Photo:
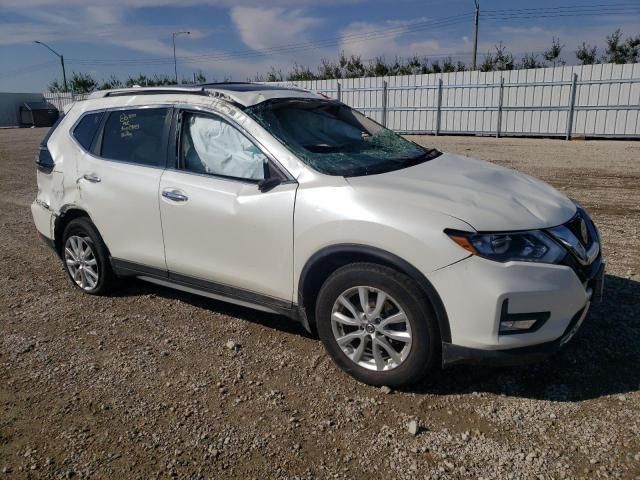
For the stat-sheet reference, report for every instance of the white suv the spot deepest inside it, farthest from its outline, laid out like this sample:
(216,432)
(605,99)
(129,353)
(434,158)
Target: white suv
(400,257)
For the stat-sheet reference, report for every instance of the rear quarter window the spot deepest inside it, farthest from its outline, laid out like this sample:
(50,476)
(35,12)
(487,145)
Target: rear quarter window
(86,129)
(136,136)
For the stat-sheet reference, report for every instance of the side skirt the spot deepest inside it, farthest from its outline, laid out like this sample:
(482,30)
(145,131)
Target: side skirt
(206,288)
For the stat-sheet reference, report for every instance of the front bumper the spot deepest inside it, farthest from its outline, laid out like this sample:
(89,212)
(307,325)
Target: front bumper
(456,354)
(478,293)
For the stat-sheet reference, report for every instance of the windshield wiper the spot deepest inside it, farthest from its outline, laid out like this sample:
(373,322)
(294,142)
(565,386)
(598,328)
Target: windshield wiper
(423,157)
(323,148)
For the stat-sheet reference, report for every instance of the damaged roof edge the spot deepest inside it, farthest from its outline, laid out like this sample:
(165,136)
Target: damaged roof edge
(245,94)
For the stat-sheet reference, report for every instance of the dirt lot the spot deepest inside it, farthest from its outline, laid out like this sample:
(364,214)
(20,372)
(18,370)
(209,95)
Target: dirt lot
(141,384)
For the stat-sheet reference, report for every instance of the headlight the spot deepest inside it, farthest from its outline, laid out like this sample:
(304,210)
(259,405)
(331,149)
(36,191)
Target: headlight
(531,246)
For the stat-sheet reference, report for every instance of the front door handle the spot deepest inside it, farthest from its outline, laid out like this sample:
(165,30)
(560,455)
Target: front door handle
(91,177)
(174,195)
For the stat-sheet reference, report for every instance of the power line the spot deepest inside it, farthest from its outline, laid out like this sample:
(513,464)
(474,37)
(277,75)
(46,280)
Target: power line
(417,26)
(295,47)
(569,7)
(436,24)
(27,69)
(554,15)
(544,12)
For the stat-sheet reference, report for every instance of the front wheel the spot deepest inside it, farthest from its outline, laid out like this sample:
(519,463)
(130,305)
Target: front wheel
(376,325)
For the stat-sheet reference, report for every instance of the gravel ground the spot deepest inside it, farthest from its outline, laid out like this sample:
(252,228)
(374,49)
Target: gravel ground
(150,383)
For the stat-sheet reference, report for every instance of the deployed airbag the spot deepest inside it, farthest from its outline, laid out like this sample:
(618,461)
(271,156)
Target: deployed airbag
(213,146)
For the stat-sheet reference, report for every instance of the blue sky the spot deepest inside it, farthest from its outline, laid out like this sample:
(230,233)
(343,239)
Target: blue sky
(127,37)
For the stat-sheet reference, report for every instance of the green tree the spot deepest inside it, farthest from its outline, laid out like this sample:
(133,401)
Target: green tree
(272,75)
(300,73)
(351,67)
(328,70)
(156,80)
(587,54)
(448,65)
(198,78)
(111,83)
(615,48)
(377,68)
(55,86)
(503,59)
(530,60)
(488,63)
(553,53)
(82,83)
(619,51)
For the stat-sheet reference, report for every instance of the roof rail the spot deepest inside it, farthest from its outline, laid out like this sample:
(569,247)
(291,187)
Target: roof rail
(198,90)
(222,84)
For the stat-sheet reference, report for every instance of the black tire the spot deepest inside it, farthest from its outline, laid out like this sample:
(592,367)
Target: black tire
(84,228)
(425,350)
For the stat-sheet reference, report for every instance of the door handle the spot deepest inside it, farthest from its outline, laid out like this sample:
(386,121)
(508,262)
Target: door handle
(174,195)
(91,177)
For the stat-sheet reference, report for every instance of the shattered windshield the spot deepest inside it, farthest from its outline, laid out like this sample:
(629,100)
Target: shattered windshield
(337,140)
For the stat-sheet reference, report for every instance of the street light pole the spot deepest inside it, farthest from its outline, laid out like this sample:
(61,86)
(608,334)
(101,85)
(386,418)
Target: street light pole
(175,63)
(61,57)
(475,34)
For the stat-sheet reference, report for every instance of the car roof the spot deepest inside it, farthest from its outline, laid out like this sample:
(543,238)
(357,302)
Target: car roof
(244,94)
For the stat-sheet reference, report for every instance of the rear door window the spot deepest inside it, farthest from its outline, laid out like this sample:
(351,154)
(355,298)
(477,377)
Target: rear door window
(87,128)
(136,136)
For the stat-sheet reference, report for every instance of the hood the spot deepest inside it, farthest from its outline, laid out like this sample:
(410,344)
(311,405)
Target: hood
(486,196)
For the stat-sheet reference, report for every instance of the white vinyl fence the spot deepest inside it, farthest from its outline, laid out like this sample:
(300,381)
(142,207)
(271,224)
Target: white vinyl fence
(591,101)
(61,100)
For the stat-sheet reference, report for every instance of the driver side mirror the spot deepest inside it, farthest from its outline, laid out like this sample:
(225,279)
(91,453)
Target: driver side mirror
(269,184)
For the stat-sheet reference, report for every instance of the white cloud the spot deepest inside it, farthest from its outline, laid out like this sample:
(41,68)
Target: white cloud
(22,4)
(100,22)
(103,14)
(359,39)
(262,28)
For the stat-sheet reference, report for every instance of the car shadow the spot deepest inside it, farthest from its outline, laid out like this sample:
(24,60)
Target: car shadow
(132,287)
(602,359)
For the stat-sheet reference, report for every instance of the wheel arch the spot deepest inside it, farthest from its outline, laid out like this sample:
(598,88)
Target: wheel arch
(66,215)
(327,260)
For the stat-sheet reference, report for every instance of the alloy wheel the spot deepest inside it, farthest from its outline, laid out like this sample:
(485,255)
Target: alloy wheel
(81,262)
(371,328)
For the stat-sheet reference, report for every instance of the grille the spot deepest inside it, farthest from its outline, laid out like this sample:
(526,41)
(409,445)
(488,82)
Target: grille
(585,273)
(575,225)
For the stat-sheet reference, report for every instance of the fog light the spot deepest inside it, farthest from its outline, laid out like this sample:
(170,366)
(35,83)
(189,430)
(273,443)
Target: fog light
(511,323)
(515,325)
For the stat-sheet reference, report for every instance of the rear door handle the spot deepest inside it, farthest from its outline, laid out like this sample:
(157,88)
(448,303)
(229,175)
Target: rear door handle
(91,177)
(174,195)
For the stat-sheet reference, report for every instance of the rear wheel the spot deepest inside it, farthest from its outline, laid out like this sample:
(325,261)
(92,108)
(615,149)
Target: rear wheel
(376,325)
(86,258)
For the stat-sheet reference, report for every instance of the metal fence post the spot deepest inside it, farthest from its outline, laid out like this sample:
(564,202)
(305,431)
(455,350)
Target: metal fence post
(438,107)
(572,105)
(385,94)
(339,92)
(500,97)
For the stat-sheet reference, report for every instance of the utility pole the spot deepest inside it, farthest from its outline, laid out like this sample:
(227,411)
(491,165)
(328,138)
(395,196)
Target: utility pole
(175,63)
(475,34)
(64,73)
